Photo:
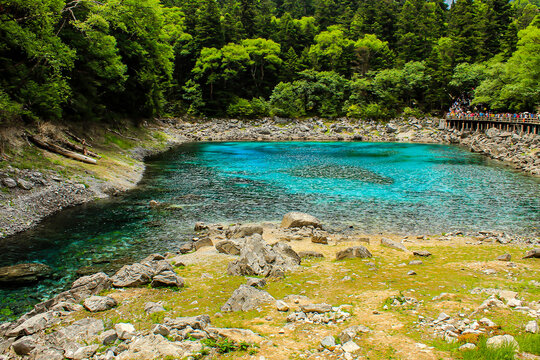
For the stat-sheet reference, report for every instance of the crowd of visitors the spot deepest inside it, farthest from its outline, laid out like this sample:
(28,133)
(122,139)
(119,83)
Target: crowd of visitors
(462,108)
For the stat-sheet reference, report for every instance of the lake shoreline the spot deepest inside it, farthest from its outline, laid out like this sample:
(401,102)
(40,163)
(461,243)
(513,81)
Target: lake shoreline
(58,193)
(264,284)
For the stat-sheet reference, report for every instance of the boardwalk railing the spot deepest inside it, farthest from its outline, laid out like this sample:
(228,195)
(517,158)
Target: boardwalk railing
(523,124)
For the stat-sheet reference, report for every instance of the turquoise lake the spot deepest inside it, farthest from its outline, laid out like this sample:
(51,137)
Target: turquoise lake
(377,187)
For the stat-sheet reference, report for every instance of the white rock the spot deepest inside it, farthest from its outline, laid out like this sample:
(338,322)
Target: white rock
(502,340)
(350,347)
(487,322)
(125,331)
(282,305)
(513,302)
(328,342)
(443,317)
(467,346)
(532,327)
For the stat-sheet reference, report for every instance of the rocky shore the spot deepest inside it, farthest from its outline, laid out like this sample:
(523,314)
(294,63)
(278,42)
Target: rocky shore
(296,290)
(29,195)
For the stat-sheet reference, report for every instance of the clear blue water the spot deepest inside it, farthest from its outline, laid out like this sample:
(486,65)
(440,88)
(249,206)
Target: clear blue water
(378,187)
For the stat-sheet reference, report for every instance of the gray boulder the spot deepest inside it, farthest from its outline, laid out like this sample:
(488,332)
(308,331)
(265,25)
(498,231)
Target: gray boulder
(167,278)
(9,182)
(393,244)
(310,253)
(204,242)
(297,219)
(199,322)
(33,324)
(391,128)
(246,230)
(422,253)
(90,285)
(256,282)
(133,275)
(534,253)
(246,298)
(257,258)
(152,307)
(353,252)
(316,308)
(24,345)
(319,238)
(504,257)
(22,274)
(228,247)
(99,303)
(25,185)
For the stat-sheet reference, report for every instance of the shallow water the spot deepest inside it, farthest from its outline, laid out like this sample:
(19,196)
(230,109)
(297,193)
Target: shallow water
(378,187)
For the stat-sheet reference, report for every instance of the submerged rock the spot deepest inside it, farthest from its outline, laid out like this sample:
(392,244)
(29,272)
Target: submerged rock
(22,274)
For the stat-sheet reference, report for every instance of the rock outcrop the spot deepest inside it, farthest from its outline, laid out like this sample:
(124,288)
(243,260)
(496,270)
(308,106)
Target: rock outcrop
(299,219)
(246,298)
(257,258)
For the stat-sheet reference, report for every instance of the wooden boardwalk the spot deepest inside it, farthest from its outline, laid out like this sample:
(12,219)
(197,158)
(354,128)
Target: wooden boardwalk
(524,125)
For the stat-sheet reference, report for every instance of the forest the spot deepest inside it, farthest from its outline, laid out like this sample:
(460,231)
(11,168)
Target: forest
(89,60)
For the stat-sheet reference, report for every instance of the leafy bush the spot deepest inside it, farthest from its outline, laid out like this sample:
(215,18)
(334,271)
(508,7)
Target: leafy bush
(246,109)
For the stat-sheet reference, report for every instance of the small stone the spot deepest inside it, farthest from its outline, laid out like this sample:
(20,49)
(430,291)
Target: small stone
(514,302)
(108,337)
(161,330)
(422,253)
(24,345)
(411,272)
(504,257)
(85,352)
(532,327)
(319,239)
(298,219)
(99,303)
(316,308)
(25,185)
(466,347)
(502,340)
(443,317)
(153,204)
(256,282)
(125,331)
(416,262)
(9,182)
(152,307)
(486,322)
(328,342)
(534,253)
(353,252)
(310,253)
(350,347)
(393,244)
(282,306)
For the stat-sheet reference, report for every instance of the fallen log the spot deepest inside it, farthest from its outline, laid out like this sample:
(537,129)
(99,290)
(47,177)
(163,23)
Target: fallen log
(122,135)
(80,149)
(60,150)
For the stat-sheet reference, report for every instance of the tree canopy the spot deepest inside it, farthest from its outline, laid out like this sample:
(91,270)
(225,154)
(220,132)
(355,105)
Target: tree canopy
(88,60)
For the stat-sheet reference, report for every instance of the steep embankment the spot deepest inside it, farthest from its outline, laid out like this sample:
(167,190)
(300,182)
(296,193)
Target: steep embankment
(37,183)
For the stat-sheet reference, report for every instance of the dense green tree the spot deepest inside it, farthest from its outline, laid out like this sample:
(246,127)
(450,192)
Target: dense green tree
(33,60)
(332,51)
